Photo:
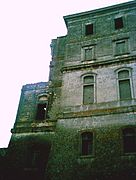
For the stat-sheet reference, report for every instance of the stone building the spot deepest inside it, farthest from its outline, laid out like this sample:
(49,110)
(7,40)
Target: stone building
(81,125)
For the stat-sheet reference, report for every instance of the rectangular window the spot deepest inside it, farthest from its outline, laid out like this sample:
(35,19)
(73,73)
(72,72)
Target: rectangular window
(89,29)
(121,47)
(41,112)
(88,54)
(129,144)
(86,148)
(124,89)
(129,140)
(118,23)
(88,96)
(36,158)
(87,143)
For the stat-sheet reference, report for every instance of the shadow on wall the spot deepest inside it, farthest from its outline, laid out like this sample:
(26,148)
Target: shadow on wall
(27,159)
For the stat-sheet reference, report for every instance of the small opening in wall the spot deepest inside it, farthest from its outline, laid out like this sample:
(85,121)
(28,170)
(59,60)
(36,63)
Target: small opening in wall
(41,111)
(89,29)
(118,23)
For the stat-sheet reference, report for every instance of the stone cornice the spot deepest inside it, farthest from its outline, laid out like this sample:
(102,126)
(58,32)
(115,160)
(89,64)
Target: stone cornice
(100,112)
(34,127)
(99,11)
(97,63)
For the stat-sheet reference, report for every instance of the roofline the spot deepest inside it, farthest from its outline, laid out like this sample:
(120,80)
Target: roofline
(133,2)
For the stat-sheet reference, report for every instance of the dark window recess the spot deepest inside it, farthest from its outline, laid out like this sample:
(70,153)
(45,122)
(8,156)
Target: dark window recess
(89,29)
(41,112)
(87,143)
(129,140)
(118,23)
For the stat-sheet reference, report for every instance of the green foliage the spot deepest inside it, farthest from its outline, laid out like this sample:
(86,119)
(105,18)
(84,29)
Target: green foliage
(56,110)
(62,158)
(66,163)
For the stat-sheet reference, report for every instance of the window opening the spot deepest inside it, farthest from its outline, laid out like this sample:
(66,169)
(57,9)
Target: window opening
(121,47)
(41,111)
(36,158)
(129,140)
(88,90)
(88,54)
(87,143)
(89,29)
(124,85)
(118,23)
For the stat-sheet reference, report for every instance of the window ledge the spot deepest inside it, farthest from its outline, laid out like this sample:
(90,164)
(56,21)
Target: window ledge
(128,157)
(89,61)
(123,54)
(85,159)
(86,156)
(129,154)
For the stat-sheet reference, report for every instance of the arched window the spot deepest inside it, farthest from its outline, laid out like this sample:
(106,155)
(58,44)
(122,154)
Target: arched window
(87,143)
(124,84)
(42,107)
(88,89)
(129,140)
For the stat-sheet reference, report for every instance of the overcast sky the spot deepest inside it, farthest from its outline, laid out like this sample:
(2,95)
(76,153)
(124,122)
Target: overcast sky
(26,30)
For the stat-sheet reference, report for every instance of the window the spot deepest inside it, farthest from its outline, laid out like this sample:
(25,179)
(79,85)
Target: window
(121,47)
(118,23)
(88,89)
(129,140)
(41,111)
(88,53)
(36,158)
(87,143)
(89,29)
(124,84)
(42,106)
(33,157)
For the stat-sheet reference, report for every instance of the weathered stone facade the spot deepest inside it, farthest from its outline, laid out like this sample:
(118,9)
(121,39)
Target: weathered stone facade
(89,125)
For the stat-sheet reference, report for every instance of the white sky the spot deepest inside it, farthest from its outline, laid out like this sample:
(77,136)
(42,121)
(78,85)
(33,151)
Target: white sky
(26,30)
